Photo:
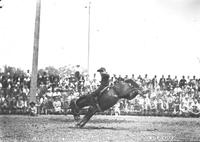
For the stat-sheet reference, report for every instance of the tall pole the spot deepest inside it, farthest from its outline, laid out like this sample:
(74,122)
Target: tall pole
(1,5)
(33,89)
(88,61)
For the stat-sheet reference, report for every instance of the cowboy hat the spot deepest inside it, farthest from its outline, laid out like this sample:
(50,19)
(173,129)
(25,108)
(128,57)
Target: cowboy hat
(102,69)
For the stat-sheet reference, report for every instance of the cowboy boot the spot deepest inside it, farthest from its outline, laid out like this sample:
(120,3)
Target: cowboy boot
(98,107)
(97,104)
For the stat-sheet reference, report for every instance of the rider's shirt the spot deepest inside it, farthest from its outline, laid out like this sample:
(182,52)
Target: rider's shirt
(105,79)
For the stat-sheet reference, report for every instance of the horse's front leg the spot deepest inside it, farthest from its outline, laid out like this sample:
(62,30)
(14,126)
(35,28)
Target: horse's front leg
(86,118)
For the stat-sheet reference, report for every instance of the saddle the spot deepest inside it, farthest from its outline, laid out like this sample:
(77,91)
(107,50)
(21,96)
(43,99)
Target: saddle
(97,97)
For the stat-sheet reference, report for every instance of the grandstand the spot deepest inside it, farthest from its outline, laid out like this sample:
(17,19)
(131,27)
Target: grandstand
(168,96)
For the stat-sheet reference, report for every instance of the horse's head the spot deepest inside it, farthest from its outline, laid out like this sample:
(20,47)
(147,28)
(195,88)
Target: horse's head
(123,89)
(129,89)
(137,86)
(74,109)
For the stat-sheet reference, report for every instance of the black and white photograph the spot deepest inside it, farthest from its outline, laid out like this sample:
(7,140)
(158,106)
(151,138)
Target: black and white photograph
(99,70)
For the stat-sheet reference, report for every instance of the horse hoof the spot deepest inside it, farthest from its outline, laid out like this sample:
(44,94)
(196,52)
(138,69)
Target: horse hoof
(77,118)
(78,126)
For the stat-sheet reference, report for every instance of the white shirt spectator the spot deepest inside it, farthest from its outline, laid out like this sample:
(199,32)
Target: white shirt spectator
(153,94)
(154,103)
(57,105)
(87,82)
(185,105)
(177,90)
(195,104)
(41,100)
(56,93)
(2,99)
(20,104)
(25,90)
(33,110)
(147,103)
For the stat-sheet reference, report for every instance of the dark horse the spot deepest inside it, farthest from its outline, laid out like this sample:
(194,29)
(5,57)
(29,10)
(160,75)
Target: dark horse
(108,98)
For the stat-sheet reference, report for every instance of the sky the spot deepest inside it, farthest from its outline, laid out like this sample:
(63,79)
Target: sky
(151,37)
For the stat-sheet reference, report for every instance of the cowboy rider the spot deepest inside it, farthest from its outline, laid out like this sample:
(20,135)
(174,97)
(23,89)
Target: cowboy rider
(104,83)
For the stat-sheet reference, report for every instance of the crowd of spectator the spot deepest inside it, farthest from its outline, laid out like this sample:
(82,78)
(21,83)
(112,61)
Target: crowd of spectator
(53,92)
(168,96)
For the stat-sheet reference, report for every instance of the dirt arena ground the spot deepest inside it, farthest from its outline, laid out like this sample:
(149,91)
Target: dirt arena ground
(60,128)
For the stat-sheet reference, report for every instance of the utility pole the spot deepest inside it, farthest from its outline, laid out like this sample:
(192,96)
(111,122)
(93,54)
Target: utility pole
(1,5)
(33,89)
(88,61)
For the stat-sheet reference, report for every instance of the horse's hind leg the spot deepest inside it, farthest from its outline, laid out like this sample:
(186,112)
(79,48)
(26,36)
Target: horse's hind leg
(86,118)
(77,117)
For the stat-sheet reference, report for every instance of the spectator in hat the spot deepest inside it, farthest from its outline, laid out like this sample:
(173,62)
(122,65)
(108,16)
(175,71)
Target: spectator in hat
(120,78)
(140,79)
(182,82)
(133,77)
(193,83)
(154,82)
(175,82)
(33,109)
(126,77)
(146,81)
(194,108)
(168,83)
(57,105)
(162,83)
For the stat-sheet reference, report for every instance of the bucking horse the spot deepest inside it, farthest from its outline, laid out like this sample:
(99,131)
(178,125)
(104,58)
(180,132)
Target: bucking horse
(108,98)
